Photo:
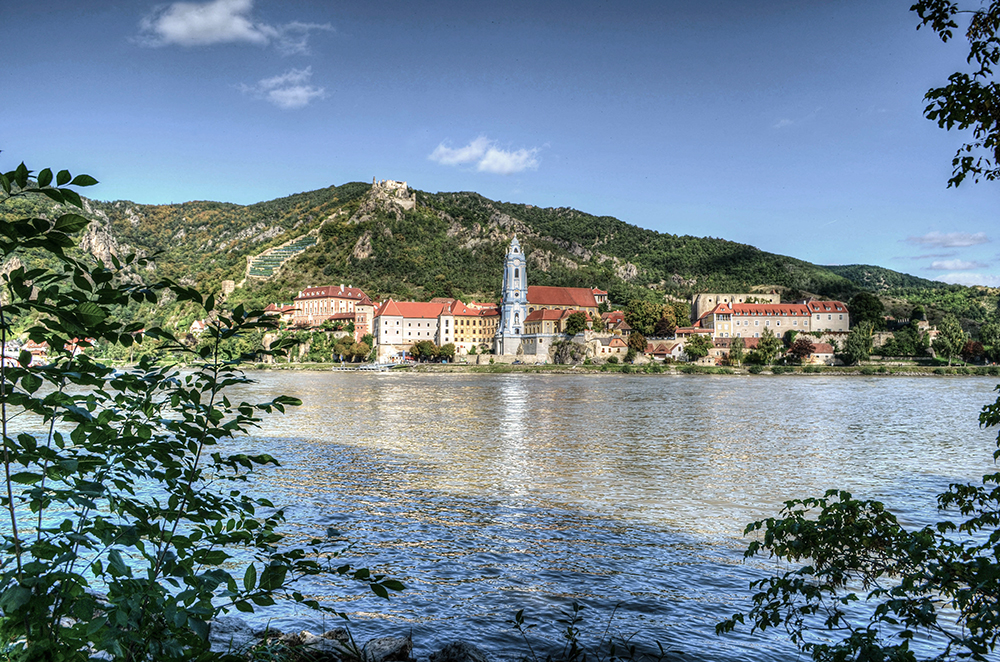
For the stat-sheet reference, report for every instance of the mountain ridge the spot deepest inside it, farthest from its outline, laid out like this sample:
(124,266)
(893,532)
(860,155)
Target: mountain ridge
(414,244)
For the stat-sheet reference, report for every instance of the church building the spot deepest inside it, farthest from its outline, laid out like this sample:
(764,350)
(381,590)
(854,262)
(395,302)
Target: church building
(514,301)
(522,319)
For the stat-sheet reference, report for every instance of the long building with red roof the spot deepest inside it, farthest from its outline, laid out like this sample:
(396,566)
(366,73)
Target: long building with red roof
(749,320)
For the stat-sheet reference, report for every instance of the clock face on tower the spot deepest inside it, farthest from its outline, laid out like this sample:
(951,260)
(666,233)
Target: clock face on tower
(517,293)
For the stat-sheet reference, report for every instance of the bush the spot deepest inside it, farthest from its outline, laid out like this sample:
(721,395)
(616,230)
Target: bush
(627,369)
(867,370)
(852,583)
(160,557)
(939,371)
(755,369)
(613,360)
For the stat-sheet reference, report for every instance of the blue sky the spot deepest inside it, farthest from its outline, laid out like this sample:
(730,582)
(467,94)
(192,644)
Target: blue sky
(793,126)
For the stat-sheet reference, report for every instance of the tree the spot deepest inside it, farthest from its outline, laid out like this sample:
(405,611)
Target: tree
(637,341)
(666,326)
(447,351)
(642,316)
(866,307)
(93,566)
(576,323)
(939,580)
(424,350)
(972,351)
(697,346)
(768,346)
(970,100)
(737,350)
(789,337)
(918,313)
(858,346)
(989,335)
(802,349)
(950,338)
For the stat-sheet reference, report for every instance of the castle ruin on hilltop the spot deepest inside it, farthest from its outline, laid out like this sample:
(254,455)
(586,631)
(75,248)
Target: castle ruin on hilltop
(396,192)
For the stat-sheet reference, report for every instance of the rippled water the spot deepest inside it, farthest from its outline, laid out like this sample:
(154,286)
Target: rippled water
(486,494)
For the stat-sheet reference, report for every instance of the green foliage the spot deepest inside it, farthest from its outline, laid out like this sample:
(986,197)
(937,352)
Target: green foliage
(970,100)
(697,346)
(858,346)
(127,529)
(576,323)
(950,339)
(737,350)
(869,587)
(768,346)
(643,316)
(865,307)
(755,369)
(637,342)
(424,350)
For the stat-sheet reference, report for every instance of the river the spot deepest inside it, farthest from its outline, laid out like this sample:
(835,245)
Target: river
(486,494)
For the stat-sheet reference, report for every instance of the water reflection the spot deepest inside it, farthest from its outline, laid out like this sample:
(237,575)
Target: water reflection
(487,494)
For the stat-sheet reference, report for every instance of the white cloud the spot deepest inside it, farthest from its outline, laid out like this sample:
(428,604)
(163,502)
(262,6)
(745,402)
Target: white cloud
(487,156)
(988,280)
(289,90)
(472,152)
(956,265)
(781,124)
(501,162)
(221,22)
(950,239)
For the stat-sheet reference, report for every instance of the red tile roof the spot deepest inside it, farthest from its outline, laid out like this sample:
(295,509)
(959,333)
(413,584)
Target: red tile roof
(543,295)
(410,309)
(827,307)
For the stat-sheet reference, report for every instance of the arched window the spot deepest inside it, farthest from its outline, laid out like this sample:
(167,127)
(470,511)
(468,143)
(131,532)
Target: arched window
(517,318)
(517,273)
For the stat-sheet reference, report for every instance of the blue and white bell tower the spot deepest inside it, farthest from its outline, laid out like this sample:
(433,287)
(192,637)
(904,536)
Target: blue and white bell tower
(514,300)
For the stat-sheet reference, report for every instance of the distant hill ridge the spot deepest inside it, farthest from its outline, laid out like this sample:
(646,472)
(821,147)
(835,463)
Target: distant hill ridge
(389,239)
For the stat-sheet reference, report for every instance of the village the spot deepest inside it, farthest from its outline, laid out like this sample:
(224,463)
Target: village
(535,324)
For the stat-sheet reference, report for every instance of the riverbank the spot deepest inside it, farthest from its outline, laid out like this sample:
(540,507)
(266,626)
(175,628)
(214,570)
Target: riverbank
(653,369)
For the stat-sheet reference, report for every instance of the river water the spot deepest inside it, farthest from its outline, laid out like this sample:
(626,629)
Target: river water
(486,494)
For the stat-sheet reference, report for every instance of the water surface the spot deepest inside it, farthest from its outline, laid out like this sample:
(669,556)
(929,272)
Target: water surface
(487,494)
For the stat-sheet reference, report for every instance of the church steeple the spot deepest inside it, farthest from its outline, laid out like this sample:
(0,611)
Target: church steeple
(514,303)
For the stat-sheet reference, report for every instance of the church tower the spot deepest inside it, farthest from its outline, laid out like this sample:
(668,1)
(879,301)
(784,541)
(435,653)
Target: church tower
(514,302)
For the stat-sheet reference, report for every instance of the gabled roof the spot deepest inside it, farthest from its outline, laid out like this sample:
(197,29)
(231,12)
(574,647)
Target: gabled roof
(410,309)
(827,307)
(543,295)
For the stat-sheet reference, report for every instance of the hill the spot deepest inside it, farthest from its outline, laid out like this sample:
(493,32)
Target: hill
(391,240)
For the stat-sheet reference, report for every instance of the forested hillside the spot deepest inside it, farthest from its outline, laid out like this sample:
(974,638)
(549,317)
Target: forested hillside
(452,244)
